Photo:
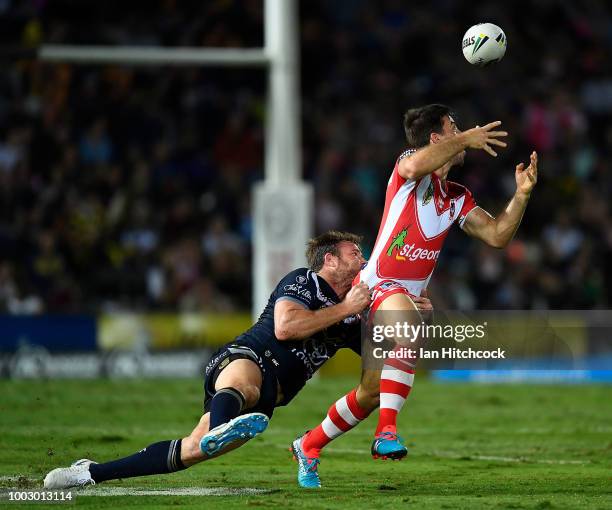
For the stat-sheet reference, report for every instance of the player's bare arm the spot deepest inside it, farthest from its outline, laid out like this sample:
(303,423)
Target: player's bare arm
(293,321)
(499,231)
(444,148)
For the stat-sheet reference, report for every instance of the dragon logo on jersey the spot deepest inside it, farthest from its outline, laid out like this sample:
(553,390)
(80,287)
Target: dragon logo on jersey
(428,194)
(398,243)
(408,251)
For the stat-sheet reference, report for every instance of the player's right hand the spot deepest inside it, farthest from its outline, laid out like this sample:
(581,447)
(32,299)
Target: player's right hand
(483,137)
(358,298)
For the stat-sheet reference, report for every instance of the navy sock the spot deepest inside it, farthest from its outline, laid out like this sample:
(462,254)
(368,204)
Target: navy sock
(158,458)
(225,405)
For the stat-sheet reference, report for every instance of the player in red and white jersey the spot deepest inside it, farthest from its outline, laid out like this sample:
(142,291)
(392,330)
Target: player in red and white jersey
(421,205)
(417,218)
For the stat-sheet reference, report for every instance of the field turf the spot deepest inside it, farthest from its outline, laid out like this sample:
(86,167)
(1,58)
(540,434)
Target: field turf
(471,446)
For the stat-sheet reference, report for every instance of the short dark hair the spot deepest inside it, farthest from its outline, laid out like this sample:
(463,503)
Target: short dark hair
(327,243)
(420,122)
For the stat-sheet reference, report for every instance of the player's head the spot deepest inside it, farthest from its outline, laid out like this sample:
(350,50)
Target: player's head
(337,252)
(431,124)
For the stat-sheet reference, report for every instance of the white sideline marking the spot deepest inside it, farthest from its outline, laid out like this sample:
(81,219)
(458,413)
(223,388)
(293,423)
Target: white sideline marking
(13,478)
(178,491)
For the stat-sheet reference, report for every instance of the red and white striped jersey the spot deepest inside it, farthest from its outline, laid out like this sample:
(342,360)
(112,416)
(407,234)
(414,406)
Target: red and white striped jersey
(417,218)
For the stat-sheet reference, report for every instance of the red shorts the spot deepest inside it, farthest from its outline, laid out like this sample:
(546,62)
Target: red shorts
(382,290)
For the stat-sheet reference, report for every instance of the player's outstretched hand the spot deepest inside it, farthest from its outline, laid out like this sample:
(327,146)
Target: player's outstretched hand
(483,137)
(358,298)
(526,178)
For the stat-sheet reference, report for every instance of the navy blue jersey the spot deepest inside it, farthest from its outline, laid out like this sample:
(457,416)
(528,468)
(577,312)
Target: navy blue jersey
(297,360)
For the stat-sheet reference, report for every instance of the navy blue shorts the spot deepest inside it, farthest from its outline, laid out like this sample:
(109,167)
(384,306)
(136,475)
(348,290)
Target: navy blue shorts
(223,357)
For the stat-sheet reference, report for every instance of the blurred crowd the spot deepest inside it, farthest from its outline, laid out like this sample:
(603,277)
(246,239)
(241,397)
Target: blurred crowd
(129,188)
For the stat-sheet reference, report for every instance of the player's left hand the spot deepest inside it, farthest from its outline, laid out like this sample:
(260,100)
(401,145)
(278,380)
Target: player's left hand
(423,303)
(526,178)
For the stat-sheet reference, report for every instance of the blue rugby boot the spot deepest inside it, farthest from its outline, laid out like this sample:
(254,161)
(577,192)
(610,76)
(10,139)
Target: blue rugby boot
(241,428)
(388,445)
(308,477)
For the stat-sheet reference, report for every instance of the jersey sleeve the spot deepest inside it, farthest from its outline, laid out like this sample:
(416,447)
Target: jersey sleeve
(469,204)
(407,153)
(396,180)
(299,287)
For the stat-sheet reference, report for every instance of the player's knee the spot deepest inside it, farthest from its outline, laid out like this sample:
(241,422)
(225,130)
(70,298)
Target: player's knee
(372,401)
(368,397)
(251,394)
(245,377)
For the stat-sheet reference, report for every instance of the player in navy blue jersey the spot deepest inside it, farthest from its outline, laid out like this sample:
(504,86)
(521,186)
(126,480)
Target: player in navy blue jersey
(310,315)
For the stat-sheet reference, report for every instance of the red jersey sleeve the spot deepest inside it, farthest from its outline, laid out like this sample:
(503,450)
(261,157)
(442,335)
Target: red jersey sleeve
(469,204)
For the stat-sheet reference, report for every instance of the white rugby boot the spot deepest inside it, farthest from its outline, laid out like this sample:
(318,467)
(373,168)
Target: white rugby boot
(77,475)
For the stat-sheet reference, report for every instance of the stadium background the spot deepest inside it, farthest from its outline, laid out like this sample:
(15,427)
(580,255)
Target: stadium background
(126,228)
(128,188)
(126,191)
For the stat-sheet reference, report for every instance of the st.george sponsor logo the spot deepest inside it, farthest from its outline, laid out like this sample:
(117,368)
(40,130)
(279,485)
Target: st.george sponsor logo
(405,252)
(408,252)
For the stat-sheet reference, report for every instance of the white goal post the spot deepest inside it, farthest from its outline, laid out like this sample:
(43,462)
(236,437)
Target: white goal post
(282,203)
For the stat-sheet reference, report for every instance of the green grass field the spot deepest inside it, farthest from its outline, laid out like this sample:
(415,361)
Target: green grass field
(507,446)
